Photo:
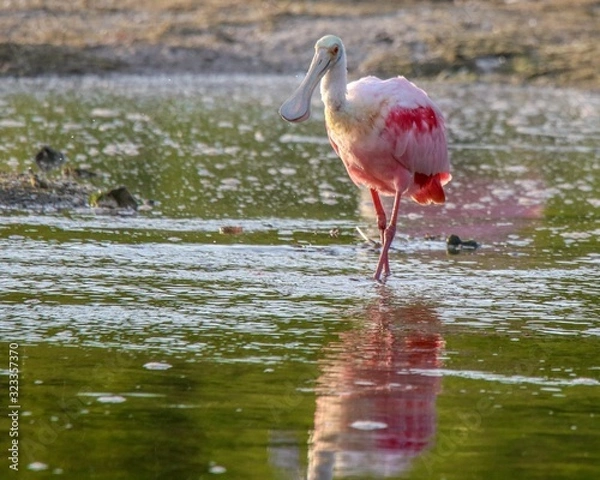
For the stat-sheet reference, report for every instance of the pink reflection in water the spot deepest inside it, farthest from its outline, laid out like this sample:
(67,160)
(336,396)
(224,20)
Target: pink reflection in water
(487,209)
(374,413)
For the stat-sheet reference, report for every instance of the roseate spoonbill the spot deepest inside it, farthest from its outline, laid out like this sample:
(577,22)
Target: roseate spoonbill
(389,134)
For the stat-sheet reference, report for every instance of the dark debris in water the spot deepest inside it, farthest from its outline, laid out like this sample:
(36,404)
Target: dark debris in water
(455,245)
(48,158)
(117,198)
(368,241)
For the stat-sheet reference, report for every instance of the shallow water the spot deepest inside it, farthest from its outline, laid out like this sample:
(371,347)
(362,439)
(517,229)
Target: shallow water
(152,346)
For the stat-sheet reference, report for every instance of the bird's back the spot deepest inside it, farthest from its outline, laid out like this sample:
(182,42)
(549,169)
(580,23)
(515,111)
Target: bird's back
(392,138)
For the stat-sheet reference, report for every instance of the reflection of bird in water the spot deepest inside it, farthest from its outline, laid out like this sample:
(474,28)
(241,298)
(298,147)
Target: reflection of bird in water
(489,210)
(389,134)
(375,407)
(48,159)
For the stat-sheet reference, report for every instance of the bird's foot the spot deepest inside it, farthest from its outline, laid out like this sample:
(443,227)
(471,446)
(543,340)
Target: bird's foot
(383,267)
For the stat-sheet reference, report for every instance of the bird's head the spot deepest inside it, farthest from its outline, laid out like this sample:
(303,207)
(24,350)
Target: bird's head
(329,50)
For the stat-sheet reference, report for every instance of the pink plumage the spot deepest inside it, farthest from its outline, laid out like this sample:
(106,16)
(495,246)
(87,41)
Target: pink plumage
(389,134)
(397,142)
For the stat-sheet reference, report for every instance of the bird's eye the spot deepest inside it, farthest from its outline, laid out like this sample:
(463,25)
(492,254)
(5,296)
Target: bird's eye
(335,50)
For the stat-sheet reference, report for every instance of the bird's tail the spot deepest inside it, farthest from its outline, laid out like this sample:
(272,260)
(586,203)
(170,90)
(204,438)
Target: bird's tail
(430,188)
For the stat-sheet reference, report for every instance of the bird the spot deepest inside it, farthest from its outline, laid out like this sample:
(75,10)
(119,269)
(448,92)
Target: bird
(48,158)
(389,134)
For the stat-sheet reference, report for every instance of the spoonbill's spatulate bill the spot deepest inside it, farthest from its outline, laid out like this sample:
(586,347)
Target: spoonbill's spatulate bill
(389,134)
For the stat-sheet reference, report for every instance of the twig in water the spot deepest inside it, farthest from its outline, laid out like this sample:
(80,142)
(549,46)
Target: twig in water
(374,243)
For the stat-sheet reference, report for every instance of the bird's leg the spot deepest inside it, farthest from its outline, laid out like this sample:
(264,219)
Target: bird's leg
(387,238)
(380,213)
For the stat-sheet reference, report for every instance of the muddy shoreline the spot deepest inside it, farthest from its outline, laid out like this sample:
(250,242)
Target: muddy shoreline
(547,42)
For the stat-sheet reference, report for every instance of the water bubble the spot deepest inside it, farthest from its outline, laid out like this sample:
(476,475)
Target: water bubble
(216,469)
(103,113)
(157,366)
(111,399)
(368,425)
(37,466)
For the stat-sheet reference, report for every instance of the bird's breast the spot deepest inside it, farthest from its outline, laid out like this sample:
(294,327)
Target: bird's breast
(355,125)
(366,154)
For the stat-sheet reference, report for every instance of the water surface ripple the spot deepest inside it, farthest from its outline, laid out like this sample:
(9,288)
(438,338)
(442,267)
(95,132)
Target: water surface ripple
(178,351)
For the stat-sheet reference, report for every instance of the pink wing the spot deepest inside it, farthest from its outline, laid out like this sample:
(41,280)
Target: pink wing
(410,135)
(419,139)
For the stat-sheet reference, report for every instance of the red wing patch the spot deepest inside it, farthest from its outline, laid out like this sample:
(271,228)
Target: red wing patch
(430,188)
(423,119)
